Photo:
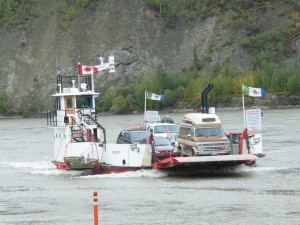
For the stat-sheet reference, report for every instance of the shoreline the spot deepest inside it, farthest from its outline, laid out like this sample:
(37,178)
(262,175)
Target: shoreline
(189,110)
(167,111)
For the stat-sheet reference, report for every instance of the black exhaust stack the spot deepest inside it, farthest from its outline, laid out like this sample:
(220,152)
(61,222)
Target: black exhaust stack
(204,93)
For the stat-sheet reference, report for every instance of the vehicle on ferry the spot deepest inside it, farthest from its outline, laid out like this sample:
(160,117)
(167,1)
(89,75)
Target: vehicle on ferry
(133,136)
(202,134)
(163,148)
(169,130)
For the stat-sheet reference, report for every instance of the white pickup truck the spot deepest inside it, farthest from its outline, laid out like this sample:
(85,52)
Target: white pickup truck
(169,130)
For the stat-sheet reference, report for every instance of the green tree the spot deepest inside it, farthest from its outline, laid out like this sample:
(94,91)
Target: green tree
(223,87)
(263,75)
(293,83)
(106,103)
(13,11)
(120,104)
(196,62)
(171,14)
(161,78)
(5,106)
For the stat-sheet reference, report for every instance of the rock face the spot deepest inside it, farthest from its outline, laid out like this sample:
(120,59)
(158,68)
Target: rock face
(31,54)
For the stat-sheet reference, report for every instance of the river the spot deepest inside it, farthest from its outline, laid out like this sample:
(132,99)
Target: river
(33,192)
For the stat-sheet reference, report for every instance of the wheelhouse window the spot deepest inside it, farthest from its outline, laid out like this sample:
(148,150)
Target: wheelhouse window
(84,101)
(69,103)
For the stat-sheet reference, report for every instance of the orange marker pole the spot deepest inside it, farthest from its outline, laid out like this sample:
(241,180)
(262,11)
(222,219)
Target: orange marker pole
(95,208)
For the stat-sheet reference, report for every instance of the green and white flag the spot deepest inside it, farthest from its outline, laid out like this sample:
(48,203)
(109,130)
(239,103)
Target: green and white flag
(254,92)
(154,97)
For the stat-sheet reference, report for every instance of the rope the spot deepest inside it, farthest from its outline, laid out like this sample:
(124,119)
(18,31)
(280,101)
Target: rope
(92,140)
(60,143)
(66,162)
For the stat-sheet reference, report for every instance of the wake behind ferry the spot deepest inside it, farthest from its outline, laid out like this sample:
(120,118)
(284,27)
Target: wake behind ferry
(80,141)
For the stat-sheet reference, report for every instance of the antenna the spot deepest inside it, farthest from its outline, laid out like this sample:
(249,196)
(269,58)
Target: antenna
(61,65)
(101,60)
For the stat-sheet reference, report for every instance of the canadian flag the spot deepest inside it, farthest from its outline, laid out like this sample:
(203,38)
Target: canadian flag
(87,69)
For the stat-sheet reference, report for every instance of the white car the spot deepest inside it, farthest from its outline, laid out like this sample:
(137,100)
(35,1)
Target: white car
(169,130)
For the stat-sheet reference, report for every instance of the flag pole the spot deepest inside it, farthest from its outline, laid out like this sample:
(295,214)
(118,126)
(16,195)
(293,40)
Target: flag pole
(245,124)
(92,80)
(145,108)
(244,113)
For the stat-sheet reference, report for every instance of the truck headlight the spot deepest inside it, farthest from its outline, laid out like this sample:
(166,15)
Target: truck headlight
(200,147)
(227,147)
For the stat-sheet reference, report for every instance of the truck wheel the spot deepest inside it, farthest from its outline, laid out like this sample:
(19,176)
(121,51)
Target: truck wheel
(193,152)
(180,148)
(182,155)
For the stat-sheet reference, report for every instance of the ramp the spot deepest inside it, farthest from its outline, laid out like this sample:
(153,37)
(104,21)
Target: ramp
(204,161)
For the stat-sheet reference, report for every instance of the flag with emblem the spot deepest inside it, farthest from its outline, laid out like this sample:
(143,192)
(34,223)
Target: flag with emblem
(154,97)
(82,70)
(254,92)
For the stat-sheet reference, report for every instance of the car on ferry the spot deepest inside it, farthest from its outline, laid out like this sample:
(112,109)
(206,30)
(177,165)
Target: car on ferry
(169,130)
(133,136)
(163,148)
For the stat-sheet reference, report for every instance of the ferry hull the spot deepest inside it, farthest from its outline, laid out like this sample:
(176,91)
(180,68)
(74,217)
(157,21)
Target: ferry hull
(196,165)
(108,169)
(77,163)
(172,165)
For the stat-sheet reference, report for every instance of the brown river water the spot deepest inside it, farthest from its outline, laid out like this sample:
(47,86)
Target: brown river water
(33,192)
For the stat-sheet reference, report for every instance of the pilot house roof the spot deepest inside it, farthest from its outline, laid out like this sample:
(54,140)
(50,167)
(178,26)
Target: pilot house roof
(200,119)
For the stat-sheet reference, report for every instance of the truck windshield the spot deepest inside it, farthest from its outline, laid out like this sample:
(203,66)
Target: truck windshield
(208,132)
(139,136)
(161,141)
(172,128)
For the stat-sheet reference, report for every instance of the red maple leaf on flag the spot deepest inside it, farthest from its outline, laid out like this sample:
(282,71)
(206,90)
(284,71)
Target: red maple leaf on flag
(87,69)
(95,69)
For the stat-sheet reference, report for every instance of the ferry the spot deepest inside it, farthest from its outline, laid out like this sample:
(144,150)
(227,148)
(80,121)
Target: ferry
(80,140)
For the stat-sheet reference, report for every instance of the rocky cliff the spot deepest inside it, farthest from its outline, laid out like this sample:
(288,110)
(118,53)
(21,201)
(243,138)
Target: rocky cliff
(31,53)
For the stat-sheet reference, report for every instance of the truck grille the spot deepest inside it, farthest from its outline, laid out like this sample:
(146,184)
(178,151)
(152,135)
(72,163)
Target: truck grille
(213,147)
